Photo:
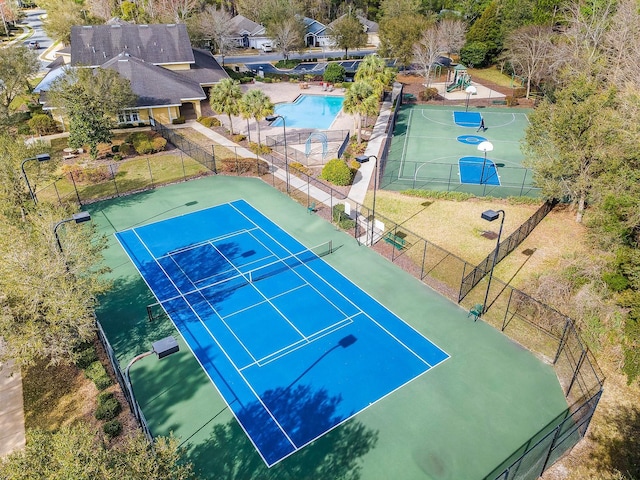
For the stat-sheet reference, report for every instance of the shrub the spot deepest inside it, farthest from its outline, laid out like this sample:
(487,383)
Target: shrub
(337,172)
(90,175)
(259,149)
(159,144)
(238,137)
(24,129)
(300,167)
(511,101)
(428,94)
(125,149)
(267,80)
(117,157)
(241,166)
(86,357)
(115,148)
(209,121)
(145,143)
(112,428)
(616,281)
(342,219)
(42,124)
(178,121)
(98,375)
(108,407)
(354,165)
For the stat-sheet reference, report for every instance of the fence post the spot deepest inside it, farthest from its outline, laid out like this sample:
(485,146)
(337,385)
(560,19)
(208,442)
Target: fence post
(563,340)
(551,445)
(150,173)
(575,372)
(75,188)
(113,176)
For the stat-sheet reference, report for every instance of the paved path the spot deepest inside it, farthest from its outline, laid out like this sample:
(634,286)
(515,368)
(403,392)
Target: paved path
(11,410)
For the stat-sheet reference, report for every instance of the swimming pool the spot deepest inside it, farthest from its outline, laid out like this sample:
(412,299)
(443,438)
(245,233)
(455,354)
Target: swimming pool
(309,111)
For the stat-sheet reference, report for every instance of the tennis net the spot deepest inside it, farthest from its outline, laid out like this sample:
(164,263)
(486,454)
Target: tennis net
(158,309)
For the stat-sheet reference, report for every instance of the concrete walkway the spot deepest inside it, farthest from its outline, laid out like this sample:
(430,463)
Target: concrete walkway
(12,435)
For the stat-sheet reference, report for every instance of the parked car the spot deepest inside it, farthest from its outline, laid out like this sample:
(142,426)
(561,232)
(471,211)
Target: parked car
(33,45)
(266,47)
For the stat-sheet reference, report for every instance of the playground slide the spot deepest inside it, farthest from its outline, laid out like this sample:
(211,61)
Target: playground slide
(454,85)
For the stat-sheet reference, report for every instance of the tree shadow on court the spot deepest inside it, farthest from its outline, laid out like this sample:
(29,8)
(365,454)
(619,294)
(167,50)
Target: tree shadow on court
(228,453)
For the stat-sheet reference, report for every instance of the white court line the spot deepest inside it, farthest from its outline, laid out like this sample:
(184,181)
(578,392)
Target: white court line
(404,146)
(204,242)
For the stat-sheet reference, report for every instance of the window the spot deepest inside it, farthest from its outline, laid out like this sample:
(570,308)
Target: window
(128,116)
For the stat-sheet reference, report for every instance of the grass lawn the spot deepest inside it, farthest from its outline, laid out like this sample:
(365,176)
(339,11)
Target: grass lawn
(492,74)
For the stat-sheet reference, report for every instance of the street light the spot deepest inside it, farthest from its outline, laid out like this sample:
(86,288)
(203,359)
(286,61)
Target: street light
(162,348)
(271,118)
(365,159)
(43,157)
(471,90)
(490,216)
(80,217)
(484,147)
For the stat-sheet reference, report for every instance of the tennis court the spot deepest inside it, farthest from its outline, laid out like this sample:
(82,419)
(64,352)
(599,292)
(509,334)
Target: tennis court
(264,316)
(445,148)
(457,421)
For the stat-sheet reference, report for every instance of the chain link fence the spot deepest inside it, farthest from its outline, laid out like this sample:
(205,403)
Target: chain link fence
(547,333)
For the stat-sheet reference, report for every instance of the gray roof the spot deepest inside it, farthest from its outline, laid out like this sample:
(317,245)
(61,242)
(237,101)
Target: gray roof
(206,71)
(160,44)
(155,86)
(242,25)
(314,27)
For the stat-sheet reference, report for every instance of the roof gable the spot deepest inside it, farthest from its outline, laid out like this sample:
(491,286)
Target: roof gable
(160,44)
(243,26)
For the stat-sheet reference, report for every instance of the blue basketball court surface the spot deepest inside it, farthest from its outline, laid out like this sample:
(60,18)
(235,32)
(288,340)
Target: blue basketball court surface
(272,324)
(478,171)
(467,119)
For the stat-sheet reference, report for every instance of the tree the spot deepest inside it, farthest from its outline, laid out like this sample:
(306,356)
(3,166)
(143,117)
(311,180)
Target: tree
(48,295)
(361,99)
(77,452)
(427,50)
(257,105)
(570,143)
(334,73)
(91,98)
(214,24)
(17,65)
(225,97)
(61,16)
(373,70)
(621,38)
(347,32)
(398,35)
(527,49)
(288,33)
(452,34)
(176,11)
(488,30)
(400,8)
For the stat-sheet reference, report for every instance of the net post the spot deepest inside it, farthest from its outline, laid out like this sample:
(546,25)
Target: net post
(149,313)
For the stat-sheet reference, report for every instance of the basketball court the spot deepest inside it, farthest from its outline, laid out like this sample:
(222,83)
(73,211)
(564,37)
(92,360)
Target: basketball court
(474,150)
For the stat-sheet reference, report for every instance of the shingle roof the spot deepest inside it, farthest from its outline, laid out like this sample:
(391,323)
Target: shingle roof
(155,86)
(160,44)
(242,25)
(206,70)
(369,26)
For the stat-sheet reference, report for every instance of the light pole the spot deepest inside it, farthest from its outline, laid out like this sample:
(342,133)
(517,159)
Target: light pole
(162,348)
(364,159)
(490,216)
(43,157)
(484,147)
(79,217)
(471,90)
(271,118)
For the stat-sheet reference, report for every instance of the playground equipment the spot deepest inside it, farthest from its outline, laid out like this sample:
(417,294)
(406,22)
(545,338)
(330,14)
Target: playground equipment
(318,136)
(461,79)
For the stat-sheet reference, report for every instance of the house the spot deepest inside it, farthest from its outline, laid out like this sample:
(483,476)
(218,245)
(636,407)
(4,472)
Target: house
(371,29)
(249,34)
(166,73)
(316,34)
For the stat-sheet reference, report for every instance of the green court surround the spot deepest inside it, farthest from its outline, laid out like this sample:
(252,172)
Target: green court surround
(460,421)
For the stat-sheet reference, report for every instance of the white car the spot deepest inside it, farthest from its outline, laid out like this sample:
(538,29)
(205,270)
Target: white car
(33,45)
(266,47)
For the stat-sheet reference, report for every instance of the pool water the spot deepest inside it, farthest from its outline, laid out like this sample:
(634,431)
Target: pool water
(309,111)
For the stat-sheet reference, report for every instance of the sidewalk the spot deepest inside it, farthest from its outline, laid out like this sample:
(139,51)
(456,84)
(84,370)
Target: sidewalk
(12,435)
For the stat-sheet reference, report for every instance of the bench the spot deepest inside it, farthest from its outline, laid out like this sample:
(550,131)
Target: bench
(395,240)
(408,97)
(499,102)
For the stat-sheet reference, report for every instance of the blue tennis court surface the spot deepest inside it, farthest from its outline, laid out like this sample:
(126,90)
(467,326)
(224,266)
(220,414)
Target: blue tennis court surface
(273,325)
(478,171)
(467,119)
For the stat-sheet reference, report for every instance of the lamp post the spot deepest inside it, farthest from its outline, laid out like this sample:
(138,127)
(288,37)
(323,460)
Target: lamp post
(490,216)
(162,348)
(484,147)
(471,90)
(80,217)
(271,118)
(43,157)
(364,159)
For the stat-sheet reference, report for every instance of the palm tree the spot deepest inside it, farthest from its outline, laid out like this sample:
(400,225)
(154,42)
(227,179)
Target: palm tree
(225,97)
(361,99)
(256,104)
(374,70)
